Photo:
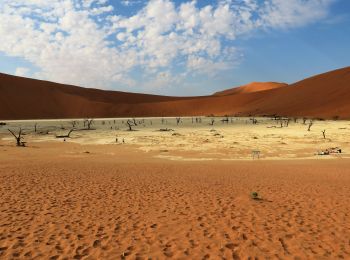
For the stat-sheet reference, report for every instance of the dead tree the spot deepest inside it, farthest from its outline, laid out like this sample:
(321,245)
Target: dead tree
(287,122)
(310,124)
(65,136)
(304,120)
(224,120)
(212,121)
(130,124)
(324,134)
(18,138)
(35,126)
(134,121)
(178,120)
(281,122)
(88,123)
(73,123)
(254,121)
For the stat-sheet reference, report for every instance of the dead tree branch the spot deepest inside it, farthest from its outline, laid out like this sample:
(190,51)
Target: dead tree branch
(67,135)
(18,137)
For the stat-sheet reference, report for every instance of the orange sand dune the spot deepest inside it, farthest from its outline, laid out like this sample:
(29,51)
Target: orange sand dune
(252,87)
(324,96)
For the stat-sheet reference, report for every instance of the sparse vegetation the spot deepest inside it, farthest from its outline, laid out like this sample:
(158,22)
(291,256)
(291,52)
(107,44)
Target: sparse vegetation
(254,195)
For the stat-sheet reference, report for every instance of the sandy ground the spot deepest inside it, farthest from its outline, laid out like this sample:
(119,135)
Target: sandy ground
(65,200)
(77,199)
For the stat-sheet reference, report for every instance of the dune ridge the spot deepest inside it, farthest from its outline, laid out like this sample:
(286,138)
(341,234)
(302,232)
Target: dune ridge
(322,96)
(251,87)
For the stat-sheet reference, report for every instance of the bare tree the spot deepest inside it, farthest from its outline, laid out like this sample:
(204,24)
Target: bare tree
(134,121)
(287,122)
(254,121)
(304,120)
(35,126)
(324,134)
(280,121)
(310,124)
(130,124)
(224,120)
(88,123)
(18,137)
(178,120)
(73,123)
(212,121)
(67,135)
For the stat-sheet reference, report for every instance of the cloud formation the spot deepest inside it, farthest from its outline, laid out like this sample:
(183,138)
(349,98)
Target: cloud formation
(86,42)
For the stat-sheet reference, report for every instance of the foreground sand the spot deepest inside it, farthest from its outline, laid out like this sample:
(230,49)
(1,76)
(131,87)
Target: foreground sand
(65,200)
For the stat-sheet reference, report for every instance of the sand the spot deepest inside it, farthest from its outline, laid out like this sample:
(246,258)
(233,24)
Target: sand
(323,96)
(83,200)
(251,87)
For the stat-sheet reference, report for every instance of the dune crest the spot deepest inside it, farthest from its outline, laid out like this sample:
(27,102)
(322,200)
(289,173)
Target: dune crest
(251,87)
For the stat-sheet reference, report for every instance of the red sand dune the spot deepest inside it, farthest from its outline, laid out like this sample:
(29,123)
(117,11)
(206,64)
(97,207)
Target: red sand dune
(324,96)
(251,87)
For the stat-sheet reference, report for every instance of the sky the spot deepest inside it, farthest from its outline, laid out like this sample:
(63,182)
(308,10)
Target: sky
(173,47)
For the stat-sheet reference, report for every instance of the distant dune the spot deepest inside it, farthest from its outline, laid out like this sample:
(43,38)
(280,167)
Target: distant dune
(252,87)
(324,96)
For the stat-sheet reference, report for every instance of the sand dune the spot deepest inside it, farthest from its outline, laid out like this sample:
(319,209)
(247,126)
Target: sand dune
(252,87)
(323,96)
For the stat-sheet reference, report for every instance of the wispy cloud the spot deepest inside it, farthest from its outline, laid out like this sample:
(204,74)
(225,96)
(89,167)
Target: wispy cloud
(86,42)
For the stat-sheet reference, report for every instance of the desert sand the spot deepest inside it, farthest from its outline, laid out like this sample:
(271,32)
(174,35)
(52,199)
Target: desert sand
(323,96)
(182,194)
(251,87)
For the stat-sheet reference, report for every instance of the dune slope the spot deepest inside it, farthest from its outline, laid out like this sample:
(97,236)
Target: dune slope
(325,96)
(251,87)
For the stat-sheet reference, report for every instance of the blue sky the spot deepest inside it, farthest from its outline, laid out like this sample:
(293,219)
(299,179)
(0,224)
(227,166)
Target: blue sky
(173,47)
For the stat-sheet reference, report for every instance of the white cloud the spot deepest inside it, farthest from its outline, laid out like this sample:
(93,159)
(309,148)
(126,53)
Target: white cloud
(285,14)
(22,72)
(86,42)
(130,2)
